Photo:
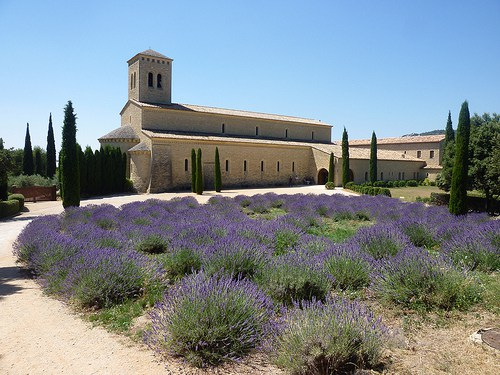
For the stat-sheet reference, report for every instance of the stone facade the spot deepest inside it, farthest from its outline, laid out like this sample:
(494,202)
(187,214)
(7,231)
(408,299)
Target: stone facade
(256,149)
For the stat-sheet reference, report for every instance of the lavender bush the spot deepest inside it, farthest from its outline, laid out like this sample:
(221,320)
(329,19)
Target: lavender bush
(381,240)
(209,320)
(415,279)
(335,337)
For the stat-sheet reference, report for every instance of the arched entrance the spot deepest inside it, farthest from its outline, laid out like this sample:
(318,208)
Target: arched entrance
(322,176)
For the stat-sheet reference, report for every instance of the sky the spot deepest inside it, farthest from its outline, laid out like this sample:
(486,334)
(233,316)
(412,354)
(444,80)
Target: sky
(390,66)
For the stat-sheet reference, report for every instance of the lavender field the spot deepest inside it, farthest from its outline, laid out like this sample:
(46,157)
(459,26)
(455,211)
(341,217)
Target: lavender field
(286,275)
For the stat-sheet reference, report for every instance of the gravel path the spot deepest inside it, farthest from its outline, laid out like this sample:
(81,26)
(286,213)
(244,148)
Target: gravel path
(40,335)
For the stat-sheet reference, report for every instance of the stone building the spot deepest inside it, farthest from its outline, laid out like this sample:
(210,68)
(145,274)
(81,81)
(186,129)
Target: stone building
(428,148)
(256,149)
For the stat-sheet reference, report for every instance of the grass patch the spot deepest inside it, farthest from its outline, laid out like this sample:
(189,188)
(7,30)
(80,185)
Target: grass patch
(267,214)
(337,231)
(491,293)
(410,194)
(118,318)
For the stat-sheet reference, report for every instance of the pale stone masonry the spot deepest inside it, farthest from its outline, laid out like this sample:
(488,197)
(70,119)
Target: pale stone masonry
(256,149)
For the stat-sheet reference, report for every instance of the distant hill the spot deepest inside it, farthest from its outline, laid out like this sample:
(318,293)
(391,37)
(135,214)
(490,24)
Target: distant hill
(432,132)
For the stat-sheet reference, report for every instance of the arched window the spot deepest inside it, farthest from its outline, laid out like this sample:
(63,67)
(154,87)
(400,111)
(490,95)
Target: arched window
(134,80)
(277,166)
(366,176)
(293,166)
(381,176)
(131,81)
(223,128)
(150,79)
(262,166)
(227,165)
(256,130)
(158,81)
(286,133)
(244,165)
(312,136)
(186,165)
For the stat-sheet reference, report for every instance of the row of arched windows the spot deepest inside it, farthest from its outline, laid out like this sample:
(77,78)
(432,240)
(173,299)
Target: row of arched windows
(245,166)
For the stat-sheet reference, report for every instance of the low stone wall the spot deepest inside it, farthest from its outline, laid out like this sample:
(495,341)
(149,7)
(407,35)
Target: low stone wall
(36,193)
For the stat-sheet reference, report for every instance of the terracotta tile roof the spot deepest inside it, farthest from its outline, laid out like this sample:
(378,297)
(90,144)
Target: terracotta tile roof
(228,112)
(388,141)
(125,132)
(355,153)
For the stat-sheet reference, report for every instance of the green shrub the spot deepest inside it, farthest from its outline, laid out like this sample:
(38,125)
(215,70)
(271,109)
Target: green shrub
(330,185)
(288,279)
(209,320)
(380,184)
(33,180)
(180,263)
(412,183)
(9,208)
(338,337)
(415,279)
(348,272)
(19,198)
(152,244)
(390,184)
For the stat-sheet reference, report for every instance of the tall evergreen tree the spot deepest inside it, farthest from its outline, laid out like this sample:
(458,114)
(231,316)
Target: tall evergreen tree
(70,179)
(38,162)
(443,180)
(218,175)
(193,170)
(458,196)
(98,184)
(51,151)
(199,173)
(28,165)
(1,144)
(91,170)
(449,133)
(373,159)
(345,158)
(331,170)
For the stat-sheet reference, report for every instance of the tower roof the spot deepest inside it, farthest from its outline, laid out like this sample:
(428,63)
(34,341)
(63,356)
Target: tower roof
(151,53)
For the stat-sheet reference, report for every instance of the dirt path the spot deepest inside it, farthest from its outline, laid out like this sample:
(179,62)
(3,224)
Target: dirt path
(40,335)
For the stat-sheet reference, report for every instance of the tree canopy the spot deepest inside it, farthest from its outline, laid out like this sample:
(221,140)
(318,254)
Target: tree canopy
(70,172)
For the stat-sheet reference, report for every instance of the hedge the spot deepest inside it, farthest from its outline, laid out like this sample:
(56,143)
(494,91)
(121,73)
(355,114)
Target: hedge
(477,204)
(368,190)
(9,208)
(18,197)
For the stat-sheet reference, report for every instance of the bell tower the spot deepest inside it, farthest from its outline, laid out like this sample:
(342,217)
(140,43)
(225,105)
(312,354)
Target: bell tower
(150,78)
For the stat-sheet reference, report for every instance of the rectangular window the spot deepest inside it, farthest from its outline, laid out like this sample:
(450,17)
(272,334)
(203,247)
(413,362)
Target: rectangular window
(312,135)
(403,175)
(278,166)
(293,166)
(431,154)
(223,128)
(244,165)
(256,130)
(381,176)
(286,133)
(262,166)
(227,165)
(186,165)
(419,154)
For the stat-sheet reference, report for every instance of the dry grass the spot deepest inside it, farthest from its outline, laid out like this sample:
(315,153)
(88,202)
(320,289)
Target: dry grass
(409,194)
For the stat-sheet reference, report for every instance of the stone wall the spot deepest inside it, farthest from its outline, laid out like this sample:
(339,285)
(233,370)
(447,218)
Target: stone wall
(196,122)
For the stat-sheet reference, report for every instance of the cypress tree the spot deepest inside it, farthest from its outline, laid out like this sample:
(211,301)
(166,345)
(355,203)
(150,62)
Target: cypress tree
(199,173)
(458,195)
(70,179)
(443,180)
(193,170)
(82,166)
(90,163)
(218,175)
(345,158)
(331,168)
(28,165)
(98,172)
(38,161)
(51,151)
(449,133)
(373,159)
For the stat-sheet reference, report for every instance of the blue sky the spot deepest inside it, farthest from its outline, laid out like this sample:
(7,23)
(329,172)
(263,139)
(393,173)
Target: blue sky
(394,67)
